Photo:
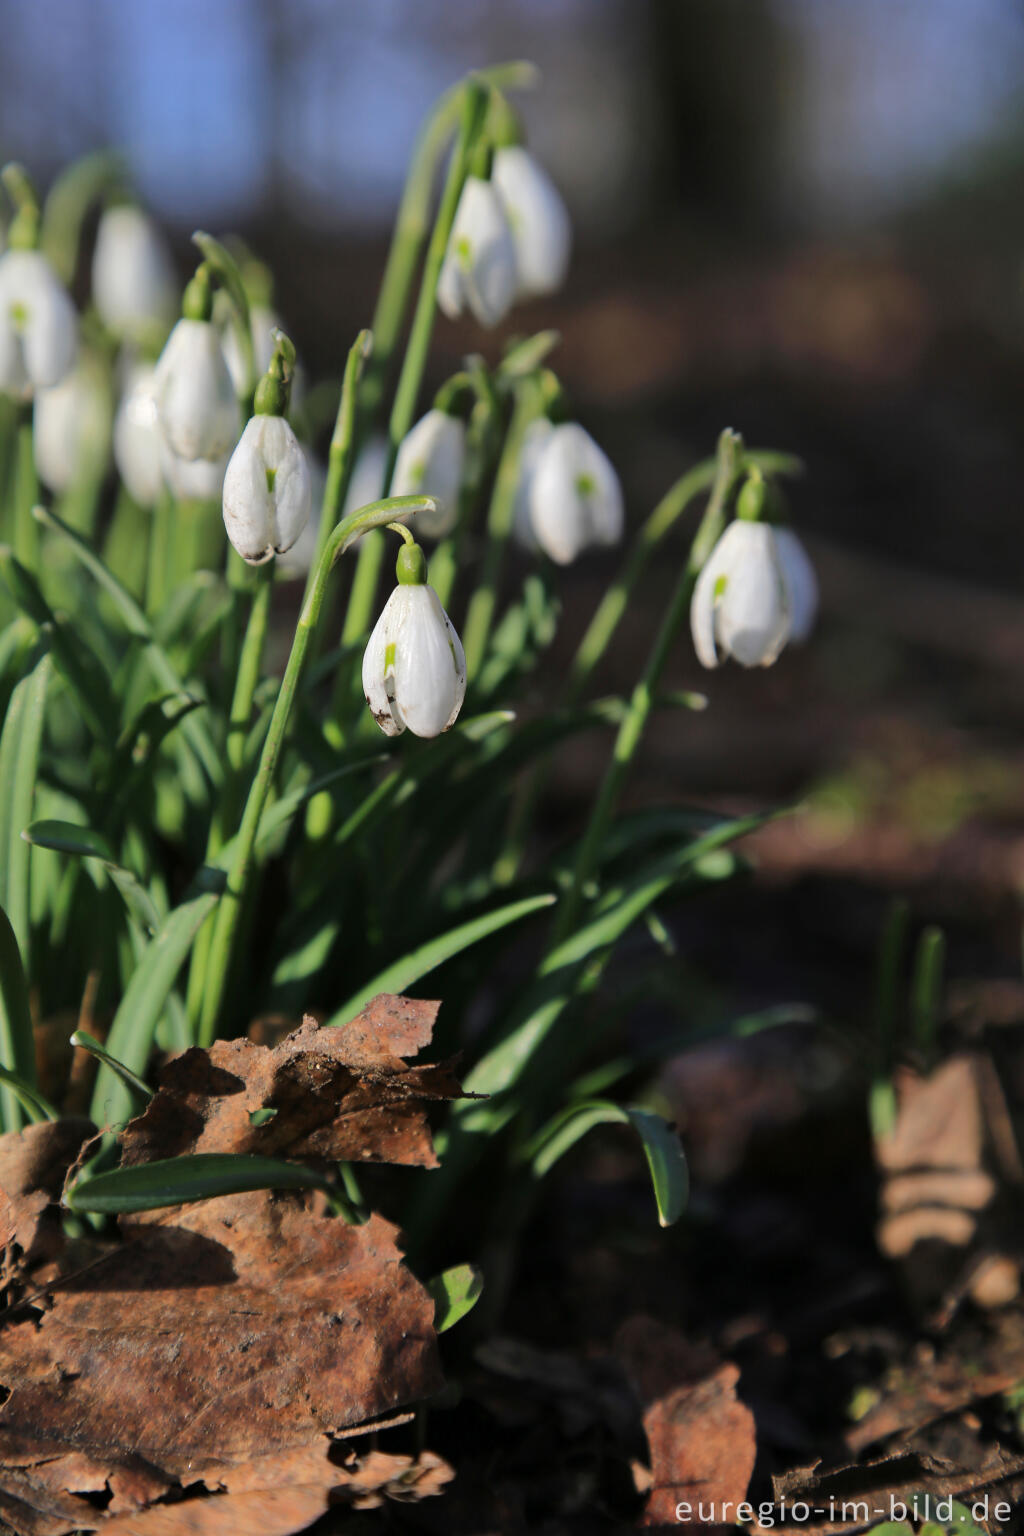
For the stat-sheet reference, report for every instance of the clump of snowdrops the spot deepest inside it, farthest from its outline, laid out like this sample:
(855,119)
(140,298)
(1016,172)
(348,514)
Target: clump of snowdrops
(190,838)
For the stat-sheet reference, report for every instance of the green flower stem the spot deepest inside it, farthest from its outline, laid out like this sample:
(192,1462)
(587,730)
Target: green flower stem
(230,905)
(500,514)
(728,467)
(608,614)
(364,582)
(341,454)
(225,816)
(26,494)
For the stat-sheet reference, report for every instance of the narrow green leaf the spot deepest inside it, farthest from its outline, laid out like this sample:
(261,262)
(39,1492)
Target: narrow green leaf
(420,962)
(662,1149)
(17,1043)
(131,1034)
(85,843)
(136,623)
(180,1180)
(31,1100)
(455,1292)
(20,742)
(135,1085)
(74,657)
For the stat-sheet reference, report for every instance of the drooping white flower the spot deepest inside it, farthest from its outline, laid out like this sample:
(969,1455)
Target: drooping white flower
(71,428)
(38,326)
(133,282)
(139,444)
(192,479)
(575,498)
(479,270)
(430,461)
(266,490)
(535,439)
(538,219)
(801,582)
(414,668)
(742,604)
(194,393)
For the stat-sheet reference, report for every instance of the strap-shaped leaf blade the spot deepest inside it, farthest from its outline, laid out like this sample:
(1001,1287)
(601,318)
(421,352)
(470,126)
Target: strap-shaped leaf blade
(182,1180)
(420,962)
(663,1150)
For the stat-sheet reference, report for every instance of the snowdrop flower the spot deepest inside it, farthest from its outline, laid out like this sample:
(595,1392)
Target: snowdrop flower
(139,444)
(538,219)
(479,270)
(71,428)
(194,393)
(574,495)
(535,439)
(38,326)
(133,281)
(414,669)
(267,485)
(430,461)
(750,598)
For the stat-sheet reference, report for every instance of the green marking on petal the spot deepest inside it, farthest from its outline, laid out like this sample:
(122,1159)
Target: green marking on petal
(585,485)
(720,586)
(271,477)
(19,316)
(464,253)
(389,656)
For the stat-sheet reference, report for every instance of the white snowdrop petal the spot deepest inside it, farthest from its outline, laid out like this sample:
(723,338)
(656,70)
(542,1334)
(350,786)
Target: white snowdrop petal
(752,615)
(479,268)
(195,395)
(430,461)
(71,429)
(375,683)
(133,280)
(538,219)
(535,438)
(138,439)
(38,324)
(266,490)
(575,497)
(425,666)
(702,608)
(800,581)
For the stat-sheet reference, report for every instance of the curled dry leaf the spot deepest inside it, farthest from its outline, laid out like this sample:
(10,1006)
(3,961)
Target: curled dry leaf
(702,1439)
(201,1374)
(338,1094)
(33,1165)
(216,1335)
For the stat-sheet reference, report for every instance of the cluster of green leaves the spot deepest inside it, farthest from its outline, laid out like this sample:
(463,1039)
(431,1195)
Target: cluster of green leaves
(378,865)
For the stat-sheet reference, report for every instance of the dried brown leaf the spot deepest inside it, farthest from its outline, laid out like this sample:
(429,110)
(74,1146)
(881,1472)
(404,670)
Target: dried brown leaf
(702,1439)
(33,1165)
(338,1094)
